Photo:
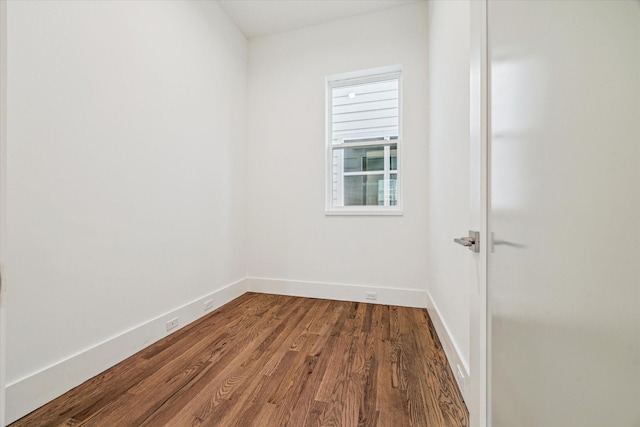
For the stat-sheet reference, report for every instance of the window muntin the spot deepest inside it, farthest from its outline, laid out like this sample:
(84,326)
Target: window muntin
(364,137)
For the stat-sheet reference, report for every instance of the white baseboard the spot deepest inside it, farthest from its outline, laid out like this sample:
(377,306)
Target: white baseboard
(449,345)
(335,291)
(33,391)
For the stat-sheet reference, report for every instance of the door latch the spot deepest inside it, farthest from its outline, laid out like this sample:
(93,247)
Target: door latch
(472,242)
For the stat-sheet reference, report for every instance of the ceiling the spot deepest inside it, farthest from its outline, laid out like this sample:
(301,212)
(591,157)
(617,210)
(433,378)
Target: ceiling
(262,17)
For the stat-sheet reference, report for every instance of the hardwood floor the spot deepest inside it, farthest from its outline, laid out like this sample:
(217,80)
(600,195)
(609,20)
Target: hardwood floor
(268,360)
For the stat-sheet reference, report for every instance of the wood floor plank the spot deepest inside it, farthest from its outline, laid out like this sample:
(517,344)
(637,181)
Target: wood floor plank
(384,397)
(286,396)
(336,370)
(338,389)
(368,414)
(314,416)
(305,404)
(275,361)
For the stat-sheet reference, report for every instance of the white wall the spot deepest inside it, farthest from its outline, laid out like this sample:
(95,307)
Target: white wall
(449,273)
(126,175)
(289,235)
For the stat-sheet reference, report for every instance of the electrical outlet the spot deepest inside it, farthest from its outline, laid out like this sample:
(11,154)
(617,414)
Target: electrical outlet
(173,323)
(460,377)
(371,296)
(208,305)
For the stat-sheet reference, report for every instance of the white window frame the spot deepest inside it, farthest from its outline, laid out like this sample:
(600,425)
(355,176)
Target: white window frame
(347,79)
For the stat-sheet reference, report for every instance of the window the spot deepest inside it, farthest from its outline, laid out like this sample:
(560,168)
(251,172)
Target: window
(363,142)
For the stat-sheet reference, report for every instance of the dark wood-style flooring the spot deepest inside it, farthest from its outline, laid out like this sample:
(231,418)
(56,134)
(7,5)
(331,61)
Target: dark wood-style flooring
(269,360)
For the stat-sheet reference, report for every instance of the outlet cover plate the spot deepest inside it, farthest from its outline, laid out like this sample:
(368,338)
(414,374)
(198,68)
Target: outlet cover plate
(460,377)
(173,323)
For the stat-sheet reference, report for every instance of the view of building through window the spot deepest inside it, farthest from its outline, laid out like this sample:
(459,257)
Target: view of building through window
(365,134)
(365,176)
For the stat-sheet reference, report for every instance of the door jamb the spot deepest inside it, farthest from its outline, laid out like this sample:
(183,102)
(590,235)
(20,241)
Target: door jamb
(3,199)
(479,157)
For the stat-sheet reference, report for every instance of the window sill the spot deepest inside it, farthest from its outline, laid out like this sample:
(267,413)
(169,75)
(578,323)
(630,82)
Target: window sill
(364,212)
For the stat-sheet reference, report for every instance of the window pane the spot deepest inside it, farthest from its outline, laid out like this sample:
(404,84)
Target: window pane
(394,158)
(393,194)
(364,190)
(364,159)
(368,190)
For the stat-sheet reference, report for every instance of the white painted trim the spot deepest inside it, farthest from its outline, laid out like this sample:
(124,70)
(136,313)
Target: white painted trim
(481,358)
(451,349)
(336,211)
(349,77)
(33,391)
(337,291)
(3,197)
(476,387)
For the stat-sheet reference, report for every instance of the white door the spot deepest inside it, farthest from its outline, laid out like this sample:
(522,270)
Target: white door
(564,269)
